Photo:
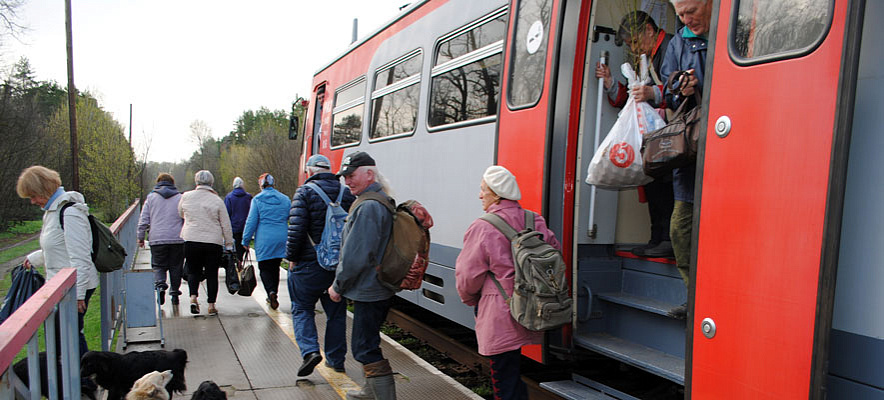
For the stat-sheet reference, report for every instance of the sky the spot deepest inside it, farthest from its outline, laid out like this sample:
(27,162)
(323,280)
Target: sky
(186,60)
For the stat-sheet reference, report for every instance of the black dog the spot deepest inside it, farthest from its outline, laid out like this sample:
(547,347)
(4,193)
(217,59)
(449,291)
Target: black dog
(208,390)
(118,372)
(87,388)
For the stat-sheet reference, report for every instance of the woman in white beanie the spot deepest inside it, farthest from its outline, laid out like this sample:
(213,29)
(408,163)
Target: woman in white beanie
(206,232)
(485,249)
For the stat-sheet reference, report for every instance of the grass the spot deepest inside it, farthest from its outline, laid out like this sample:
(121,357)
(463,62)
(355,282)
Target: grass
(18,251)
(23,228)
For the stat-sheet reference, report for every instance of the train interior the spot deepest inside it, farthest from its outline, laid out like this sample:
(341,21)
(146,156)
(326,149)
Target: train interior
(626,304)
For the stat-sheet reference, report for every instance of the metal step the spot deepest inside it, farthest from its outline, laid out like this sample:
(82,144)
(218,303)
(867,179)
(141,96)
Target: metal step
(646,358)
(574,391)
(639,302)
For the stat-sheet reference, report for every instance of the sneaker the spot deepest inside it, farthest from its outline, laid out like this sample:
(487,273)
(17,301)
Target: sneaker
(212,310)
(194,308)
(274,303)
(175,299)
(679,312)
(162,297)
(337,369)
(662,250)
(640,250)
(310,362)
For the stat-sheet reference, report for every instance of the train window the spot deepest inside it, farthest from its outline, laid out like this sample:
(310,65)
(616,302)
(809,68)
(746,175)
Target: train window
(394,102)
(529,52)
(465,82)
(347,113)
(773,30)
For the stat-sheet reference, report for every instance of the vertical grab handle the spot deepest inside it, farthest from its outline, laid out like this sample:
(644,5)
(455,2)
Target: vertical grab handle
(591,228)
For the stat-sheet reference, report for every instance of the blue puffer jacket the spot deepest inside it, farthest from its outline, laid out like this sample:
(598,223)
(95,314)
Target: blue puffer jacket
(238,202)
(307,216)
(684,53)
(267,223)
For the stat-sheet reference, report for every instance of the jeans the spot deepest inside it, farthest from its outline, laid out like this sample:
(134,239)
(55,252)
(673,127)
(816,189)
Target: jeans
(680,231)
(660,203)
(83,347)
(306,285)
(202,262)
(505,378)
(269,270)
(367,320)
(168,258)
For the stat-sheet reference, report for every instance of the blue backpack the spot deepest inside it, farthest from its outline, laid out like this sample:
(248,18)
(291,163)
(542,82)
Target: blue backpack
(328,250)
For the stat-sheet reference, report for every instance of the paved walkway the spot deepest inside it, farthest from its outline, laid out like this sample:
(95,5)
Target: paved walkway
(249,350)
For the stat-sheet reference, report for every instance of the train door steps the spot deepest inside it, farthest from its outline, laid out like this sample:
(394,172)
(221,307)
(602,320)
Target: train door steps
(580,387)
(646,358)
(639,302)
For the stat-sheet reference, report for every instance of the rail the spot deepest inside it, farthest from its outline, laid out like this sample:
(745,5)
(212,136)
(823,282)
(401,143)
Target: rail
(112,285)
(22,328)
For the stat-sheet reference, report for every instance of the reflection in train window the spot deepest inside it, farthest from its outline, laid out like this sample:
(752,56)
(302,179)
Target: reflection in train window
(396,96)
(347,113)
(766,30)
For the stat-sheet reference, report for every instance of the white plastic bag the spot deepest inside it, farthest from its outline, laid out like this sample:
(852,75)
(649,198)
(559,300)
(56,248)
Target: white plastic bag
(617,163)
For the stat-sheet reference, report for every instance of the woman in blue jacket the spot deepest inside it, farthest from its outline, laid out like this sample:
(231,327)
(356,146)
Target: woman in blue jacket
(267,224)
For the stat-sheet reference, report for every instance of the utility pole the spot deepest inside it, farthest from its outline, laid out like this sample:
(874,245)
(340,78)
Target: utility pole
(72,98)
(132,151)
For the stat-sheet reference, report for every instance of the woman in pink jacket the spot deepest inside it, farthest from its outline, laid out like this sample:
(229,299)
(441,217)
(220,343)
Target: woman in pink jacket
(485,249)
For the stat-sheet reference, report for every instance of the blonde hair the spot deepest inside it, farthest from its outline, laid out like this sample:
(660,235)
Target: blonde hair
(37,180)
(165,177)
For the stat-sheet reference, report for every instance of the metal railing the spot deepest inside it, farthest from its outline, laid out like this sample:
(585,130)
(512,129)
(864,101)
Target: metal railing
(112,284)
(22,328)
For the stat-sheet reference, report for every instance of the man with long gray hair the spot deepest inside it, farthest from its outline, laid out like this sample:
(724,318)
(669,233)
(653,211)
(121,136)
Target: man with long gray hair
(365,237)
(308,279)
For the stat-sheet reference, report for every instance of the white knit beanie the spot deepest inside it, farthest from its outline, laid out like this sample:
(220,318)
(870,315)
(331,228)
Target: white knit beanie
(237,182)
(502,182)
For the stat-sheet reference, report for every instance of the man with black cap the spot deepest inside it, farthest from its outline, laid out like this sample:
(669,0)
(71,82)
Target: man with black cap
(308,279)
(365,237)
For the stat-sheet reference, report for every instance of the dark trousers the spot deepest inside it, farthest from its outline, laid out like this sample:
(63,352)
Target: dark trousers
(661,200)
(237,244)
(505,378)
(366,336)
(168,258)
(202,261)
(269,270)
(307,285)
(682,224)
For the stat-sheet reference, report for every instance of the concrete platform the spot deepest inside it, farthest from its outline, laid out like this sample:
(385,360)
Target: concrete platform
(249,350)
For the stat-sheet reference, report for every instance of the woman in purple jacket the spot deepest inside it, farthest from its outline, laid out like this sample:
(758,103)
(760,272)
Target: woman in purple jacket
(160,216)
(485,249)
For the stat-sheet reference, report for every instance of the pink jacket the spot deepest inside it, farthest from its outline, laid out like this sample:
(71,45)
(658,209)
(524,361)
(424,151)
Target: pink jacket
(486,249)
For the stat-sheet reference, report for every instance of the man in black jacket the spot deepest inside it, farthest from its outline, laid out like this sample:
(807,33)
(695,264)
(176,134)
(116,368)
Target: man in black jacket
(308,280)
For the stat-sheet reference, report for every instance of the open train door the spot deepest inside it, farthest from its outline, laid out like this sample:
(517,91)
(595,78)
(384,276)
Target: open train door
(767,222)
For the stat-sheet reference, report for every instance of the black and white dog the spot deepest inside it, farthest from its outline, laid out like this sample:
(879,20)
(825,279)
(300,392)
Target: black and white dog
(118,372)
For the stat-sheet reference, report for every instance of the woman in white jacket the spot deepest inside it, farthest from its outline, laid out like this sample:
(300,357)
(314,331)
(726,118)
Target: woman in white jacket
(68,247)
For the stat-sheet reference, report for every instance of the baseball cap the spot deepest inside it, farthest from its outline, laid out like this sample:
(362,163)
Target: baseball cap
(355,160)
(319,160)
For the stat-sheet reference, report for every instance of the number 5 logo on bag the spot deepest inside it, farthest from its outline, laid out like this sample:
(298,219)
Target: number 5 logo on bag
(622,155)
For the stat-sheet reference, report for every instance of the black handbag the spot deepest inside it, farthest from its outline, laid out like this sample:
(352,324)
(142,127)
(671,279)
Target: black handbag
(25,282)
(231,271)
(674,145)
(247,279)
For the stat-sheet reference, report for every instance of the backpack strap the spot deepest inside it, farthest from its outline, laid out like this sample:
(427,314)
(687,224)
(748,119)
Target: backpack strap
(501,225)
(321,192)
(386,201)
(499,287)
(529,220)
(61,212)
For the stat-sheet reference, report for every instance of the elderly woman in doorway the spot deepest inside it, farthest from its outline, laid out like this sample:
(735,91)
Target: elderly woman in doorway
(206,233)
(487,251)
(61,246)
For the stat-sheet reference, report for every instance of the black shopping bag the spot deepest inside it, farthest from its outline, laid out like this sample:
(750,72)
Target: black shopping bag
(231,274)
(25,282)
(247,279)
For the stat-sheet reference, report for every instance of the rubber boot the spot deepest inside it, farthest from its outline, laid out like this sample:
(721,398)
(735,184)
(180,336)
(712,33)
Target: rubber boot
(379,383)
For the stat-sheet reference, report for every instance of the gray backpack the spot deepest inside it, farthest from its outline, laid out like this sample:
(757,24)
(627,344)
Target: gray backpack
(540,293)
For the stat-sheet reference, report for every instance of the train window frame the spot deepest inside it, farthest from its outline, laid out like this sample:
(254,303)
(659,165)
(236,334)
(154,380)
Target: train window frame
(778,56)
(394,87)
(492,49)
(359,101)
(544,48)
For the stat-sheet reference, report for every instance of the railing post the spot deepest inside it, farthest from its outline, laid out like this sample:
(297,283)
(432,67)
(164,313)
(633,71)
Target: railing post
(70,349)
(50,334)
(34,367)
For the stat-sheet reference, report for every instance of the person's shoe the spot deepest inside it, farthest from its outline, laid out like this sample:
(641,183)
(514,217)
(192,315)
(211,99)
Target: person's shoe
(664,249)
(337,369)
(274,303)
(212,309)
(194,306)
(310,362)
(367,392)
(175,300)
(162,296)
(679,312)
(640,250)
(162,286)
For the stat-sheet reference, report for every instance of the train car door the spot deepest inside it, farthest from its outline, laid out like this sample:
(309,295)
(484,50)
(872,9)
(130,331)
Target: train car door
(317,120)
(770,196)
(524,118)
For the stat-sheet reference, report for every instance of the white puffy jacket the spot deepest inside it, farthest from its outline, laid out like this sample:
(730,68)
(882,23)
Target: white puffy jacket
(71,247)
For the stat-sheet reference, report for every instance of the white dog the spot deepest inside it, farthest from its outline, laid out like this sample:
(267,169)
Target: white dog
(151,386)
